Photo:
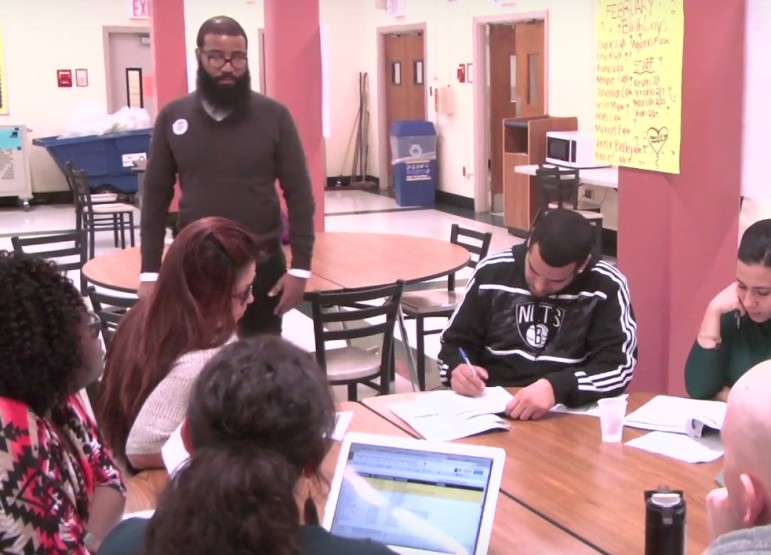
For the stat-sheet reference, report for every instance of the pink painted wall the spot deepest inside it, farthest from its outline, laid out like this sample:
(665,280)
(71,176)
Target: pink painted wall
(293,77)
(167,28)
(677,233)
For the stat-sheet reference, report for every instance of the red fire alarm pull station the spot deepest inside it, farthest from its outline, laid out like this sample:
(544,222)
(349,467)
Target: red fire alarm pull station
(64,77)
(461,73)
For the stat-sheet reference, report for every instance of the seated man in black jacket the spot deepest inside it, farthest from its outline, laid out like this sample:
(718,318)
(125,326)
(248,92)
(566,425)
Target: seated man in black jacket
(546,315)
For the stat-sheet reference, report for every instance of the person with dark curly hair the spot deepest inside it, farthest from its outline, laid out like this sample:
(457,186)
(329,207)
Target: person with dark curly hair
(60,492)
(258,425)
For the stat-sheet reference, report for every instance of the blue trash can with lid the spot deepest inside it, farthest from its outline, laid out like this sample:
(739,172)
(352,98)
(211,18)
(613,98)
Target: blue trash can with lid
(413,157)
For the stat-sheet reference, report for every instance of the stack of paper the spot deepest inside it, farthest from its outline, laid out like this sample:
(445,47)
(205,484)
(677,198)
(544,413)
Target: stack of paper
(679,428)
(445,415)
(173,452)
(679,415)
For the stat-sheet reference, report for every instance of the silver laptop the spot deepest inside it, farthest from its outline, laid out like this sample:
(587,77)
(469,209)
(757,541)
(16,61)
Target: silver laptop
(416,496)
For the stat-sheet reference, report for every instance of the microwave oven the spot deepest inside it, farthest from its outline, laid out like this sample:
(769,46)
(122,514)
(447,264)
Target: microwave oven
(570,148)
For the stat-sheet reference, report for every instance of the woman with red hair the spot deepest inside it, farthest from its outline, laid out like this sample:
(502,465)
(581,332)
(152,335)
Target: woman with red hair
(163,342)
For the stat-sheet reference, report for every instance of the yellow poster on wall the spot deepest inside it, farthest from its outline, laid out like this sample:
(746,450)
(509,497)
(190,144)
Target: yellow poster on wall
(639,83)
(3,84)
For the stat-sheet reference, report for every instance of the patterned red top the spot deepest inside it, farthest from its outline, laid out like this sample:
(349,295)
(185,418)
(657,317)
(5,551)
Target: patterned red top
(47,477)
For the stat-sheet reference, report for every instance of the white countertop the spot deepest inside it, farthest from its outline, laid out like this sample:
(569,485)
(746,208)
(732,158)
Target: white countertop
(601,177)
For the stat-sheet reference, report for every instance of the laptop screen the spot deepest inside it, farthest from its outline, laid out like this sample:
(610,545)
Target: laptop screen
(421,500)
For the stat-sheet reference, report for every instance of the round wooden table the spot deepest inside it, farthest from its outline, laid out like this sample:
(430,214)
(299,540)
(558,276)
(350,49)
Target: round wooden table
(340,261)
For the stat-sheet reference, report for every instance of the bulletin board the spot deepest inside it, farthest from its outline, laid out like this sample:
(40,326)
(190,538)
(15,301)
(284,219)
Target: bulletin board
(639,84)
(3,83)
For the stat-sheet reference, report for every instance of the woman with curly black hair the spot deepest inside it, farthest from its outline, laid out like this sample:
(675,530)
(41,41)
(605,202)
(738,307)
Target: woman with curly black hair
(258,425)
(59,489)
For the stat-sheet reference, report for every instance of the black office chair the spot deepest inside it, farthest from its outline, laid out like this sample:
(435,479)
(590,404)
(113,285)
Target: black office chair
(68,250)
(558,188)
(343,316)
(110,309)
(441,303)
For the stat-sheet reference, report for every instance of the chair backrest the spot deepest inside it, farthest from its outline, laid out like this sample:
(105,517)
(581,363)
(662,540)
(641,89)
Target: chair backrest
(56,247)
(81,190)
(558,185)
(477,243)
(110,309)
(69,171)
(353,306)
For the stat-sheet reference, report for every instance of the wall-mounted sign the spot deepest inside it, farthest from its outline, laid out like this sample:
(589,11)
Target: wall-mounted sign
(81,77)
(139,9)
(64,77)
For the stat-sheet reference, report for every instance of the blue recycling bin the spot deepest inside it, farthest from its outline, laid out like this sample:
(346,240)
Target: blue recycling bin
(413,157)
(108,160)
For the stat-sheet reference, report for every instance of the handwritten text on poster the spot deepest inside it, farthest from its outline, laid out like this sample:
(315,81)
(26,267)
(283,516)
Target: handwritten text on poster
(639,83)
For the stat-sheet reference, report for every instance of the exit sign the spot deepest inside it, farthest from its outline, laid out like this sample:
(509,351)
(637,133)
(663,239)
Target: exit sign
(140,9)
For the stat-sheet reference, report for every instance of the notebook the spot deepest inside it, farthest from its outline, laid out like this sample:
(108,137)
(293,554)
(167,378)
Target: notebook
(418,497)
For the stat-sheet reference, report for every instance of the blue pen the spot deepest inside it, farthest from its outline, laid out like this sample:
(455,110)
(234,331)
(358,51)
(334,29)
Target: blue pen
(466,360)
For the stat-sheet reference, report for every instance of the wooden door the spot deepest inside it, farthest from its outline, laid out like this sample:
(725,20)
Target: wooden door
(531,68)
(404,81)
(501,48)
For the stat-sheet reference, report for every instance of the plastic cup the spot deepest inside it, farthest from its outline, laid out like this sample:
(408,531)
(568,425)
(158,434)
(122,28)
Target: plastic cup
(612,412)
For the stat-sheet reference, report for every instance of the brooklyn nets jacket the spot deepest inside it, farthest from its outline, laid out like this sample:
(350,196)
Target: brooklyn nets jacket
(583,339)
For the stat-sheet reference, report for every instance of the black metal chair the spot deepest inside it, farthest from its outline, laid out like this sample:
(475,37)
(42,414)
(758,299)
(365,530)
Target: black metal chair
(343,316)
(441,303)
(110,309)
(98,212)
(558,189)
(68,250)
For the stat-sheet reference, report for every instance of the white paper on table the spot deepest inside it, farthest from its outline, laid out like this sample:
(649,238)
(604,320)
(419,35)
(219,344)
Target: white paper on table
(681,446)
(445,415)
(139,514)
(592,409)
(492,401)
(342,421)
(173,452)
(665,413)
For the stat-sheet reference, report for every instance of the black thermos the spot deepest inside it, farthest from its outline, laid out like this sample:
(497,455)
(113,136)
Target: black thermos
(664,522)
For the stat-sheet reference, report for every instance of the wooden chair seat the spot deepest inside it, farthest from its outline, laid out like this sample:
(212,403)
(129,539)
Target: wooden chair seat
(351,363)
(427,303)
(355,314)
(99,198)
(112,208)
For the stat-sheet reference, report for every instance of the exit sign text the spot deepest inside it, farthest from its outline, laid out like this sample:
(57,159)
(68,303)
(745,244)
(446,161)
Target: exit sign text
(140,9)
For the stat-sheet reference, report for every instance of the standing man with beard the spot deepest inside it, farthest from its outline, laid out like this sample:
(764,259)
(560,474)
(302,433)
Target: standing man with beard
(228,145)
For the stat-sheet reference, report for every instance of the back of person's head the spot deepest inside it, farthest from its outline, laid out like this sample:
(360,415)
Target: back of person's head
(190,309)
(260,417)
(746,435)
(755,246)
(220,25)
(563,237)
(41,318)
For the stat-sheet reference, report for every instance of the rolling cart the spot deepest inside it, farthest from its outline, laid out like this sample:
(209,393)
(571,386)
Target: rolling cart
(15,178)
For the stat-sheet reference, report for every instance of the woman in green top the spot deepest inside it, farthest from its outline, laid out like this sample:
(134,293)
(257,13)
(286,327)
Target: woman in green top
(735,333)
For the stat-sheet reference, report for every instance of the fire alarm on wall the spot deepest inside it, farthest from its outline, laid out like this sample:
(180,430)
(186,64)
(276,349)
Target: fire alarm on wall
(461,73)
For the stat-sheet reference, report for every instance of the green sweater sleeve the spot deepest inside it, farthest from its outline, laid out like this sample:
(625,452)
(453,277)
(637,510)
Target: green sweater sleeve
(706,370)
